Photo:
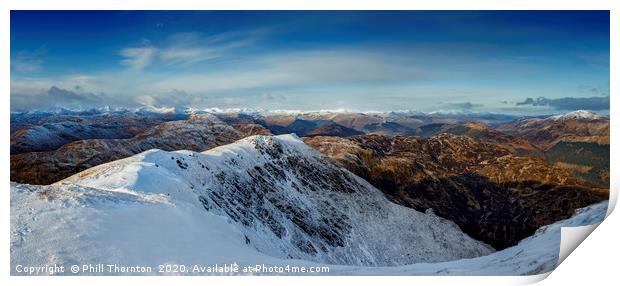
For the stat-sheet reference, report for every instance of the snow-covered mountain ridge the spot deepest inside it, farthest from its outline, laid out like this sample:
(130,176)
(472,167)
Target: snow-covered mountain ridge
(287,200)
(79,225)
(578,114)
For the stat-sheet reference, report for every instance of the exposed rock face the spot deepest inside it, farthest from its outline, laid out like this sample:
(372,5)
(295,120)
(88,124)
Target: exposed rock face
(198,133)
(491,194)
(289,201)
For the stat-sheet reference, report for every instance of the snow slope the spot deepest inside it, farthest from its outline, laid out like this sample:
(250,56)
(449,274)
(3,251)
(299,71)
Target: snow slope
(534,255)
(269,200)
(290,202)
(287,199)
(80,225)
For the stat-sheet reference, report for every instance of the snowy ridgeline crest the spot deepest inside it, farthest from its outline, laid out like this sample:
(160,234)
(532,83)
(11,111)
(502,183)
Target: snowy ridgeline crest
(286,199)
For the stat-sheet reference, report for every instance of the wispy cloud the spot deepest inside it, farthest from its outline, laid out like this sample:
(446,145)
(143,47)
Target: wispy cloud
(191,48)
(137,58)
(187,55)
(27,62)
(184,49)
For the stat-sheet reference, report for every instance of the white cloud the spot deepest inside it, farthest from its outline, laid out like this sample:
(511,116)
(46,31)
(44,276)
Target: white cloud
(145,100)
(298,70)
(191,48)
(185,49)
(138,58)
(187,55)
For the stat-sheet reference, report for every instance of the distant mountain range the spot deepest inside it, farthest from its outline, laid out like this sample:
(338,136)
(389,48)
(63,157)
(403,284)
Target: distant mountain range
(578,141)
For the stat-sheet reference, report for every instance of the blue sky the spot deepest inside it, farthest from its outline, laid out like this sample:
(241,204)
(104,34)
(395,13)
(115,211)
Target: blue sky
(517,62)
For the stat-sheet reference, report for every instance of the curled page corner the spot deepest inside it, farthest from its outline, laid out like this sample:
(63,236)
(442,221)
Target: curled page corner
(571,237)
(517,280)
(539,277)
(529,279)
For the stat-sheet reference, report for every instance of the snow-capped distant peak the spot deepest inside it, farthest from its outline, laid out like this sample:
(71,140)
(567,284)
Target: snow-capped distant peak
(578,114)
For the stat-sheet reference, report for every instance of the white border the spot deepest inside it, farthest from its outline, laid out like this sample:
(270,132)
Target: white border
(583,265)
